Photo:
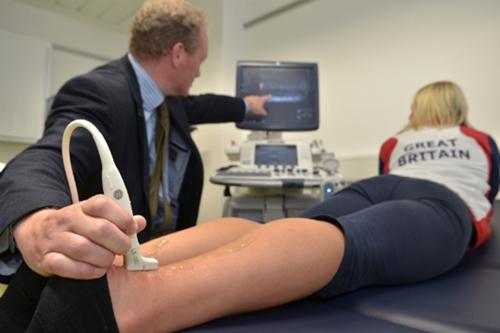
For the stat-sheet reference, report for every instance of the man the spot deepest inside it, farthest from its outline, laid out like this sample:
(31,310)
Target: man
(37,218)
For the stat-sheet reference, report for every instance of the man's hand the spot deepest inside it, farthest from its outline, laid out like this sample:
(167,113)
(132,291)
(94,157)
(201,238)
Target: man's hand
(79,241)
(256,104)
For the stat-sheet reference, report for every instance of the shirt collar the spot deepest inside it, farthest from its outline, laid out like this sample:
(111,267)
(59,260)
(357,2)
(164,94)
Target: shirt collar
(151,94)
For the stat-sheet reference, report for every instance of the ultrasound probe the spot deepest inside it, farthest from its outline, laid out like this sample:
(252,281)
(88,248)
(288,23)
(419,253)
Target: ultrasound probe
(112,184)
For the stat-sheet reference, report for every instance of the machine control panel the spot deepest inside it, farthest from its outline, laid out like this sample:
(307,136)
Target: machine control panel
(272,164)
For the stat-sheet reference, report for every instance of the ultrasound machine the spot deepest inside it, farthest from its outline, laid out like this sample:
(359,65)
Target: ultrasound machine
(272,177)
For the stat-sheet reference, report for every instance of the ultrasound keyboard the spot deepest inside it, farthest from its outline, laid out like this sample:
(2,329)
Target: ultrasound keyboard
(268,176)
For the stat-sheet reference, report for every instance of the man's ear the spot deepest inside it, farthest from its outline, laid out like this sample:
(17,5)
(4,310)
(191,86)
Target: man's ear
(178,53)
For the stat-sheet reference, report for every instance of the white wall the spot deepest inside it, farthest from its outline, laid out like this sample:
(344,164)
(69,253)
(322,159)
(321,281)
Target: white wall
(373,56)
(62,31)
(210,139)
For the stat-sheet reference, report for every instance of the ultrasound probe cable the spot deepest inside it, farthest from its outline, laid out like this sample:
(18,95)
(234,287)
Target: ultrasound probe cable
(112,184)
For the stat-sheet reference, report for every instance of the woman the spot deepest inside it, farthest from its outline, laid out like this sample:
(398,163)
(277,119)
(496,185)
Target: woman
(439,179)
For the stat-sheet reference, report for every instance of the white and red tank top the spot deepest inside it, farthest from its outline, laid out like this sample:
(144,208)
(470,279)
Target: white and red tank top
(462,159)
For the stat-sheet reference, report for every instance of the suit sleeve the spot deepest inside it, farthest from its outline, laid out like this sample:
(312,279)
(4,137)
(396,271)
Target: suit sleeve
(210,108)
(35,178)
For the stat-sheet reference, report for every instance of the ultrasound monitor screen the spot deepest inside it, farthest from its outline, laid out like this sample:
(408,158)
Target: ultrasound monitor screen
(294,94)
(276,155)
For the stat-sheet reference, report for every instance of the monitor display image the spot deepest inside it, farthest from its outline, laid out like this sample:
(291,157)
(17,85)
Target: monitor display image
(294,103)
(276,155)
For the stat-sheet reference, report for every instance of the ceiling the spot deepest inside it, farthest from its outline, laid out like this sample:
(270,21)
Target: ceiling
(117,15)
(111,14)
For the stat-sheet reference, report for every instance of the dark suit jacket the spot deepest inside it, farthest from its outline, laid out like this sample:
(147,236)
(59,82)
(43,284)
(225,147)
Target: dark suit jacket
(109,97)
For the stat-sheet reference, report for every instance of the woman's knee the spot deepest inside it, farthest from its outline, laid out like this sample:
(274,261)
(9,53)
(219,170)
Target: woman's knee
(320,244)
(316,232)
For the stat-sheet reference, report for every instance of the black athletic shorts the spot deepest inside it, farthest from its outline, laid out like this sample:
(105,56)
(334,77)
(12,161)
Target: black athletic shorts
(398,230)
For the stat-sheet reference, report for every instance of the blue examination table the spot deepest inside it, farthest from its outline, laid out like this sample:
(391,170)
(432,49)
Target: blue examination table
(466,299)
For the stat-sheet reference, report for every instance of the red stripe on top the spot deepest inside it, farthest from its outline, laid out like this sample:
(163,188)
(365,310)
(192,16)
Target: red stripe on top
(386,151)
(483,230)
(483,141)
(483,227)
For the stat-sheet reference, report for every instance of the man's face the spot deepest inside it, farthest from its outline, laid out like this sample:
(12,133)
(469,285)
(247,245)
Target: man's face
(189,69)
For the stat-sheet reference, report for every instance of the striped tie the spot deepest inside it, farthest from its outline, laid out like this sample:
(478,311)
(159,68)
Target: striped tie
(161,141)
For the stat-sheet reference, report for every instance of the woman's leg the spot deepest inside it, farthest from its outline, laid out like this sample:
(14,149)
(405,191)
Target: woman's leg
(19,302)
(199,239)
(270,265)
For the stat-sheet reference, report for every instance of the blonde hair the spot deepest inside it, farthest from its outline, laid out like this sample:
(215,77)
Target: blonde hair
(160,24)
(439,104)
